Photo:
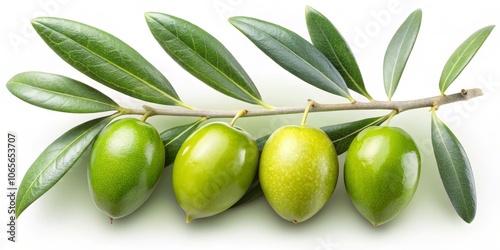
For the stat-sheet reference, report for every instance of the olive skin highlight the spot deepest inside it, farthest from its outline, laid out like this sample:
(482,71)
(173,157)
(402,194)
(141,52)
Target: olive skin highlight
(381,172)
(213,169)
(126,162)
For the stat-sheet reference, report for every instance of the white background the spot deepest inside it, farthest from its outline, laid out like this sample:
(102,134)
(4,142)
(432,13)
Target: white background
(65,217)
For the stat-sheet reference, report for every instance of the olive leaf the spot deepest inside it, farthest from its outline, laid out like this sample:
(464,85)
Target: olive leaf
(330,42)
(106,59)
(454,169)
(262,141)
(293,53)
(59,93)
(462,56)
(203,56)
(53,163)
(343,134)
(399,51)
(174,137)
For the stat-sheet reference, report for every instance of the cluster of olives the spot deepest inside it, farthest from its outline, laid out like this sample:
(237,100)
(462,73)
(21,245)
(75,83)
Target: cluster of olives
(297,168)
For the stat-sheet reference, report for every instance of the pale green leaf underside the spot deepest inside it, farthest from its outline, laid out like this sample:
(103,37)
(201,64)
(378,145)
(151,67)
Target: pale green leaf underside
(59,93)
(53,163)
(454,169)
(293,53)
(462,56)
(399,50)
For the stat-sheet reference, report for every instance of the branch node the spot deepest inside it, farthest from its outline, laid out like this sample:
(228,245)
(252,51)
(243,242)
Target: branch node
(309,106)
(238,115)
(311,103)
(149,112)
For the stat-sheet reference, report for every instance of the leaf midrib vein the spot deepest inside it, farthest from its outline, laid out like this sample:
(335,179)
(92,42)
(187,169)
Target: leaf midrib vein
(206,61)
(114,65)
(65,94)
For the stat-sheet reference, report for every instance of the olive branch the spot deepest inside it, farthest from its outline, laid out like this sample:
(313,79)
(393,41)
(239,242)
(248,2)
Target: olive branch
(326,63)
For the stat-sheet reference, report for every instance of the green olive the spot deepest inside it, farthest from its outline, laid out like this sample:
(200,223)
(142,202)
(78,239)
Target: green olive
(126,163)
(298,171)
(381,173)
(213,169)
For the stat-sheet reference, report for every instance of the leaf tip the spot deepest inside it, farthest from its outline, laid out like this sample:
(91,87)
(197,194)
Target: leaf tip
(469,219)
(18,213)
(42,20)
(490,27)
(418,12)
(37,20)
(238,19)
(309,9)
(20,207)
(153,15)
(233,19)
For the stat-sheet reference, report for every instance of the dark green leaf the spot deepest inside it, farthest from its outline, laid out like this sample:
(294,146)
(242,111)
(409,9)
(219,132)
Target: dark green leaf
(262,141)
(56,160)
(174,137)
(343,134)
(60,93)
(462,56)
(106,59)
(203,56)
(294,54)
(330,42)
(454,169)
(399,51)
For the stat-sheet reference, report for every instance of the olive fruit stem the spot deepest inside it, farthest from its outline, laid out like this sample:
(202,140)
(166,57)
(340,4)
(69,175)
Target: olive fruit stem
(149,112)
(310,104)
(238,115)
(391,115)
(398,106)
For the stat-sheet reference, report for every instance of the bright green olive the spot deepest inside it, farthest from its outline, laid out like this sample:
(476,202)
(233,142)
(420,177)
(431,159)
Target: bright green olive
(298,171)
(213,169)
(381,173)
(126,163)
